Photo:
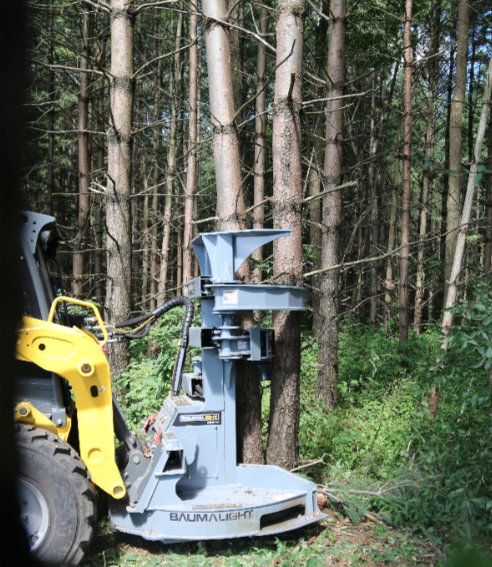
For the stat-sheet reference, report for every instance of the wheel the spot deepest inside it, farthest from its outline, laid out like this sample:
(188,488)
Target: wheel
(56,497)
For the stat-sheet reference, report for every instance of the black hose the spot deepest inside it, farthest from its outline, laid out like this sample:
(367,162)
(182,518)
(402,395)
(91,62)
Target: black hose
(183,341)
(132,322)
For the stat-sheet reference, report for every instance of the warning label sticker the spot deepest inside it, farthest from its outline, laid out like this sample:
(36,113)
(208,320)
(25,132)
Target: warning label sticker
(229,297)
(211,418)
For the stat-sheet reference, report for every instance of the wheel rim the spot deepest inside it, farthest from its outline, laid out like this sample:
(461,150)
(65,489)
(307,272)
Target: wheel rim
(34,513)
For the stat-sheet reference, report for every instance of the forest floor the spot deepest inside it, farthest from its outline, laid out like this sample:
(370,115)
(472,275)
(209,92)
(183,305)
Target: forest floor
(335,541)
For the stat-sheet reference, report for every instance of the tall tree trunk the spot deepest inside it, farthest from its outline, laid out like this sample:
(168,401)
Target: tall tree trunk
(332,209)
(316,166)
(373,178)
(230,202)
(83,206)
(118,192)
(283,444)
(260,134)
(388,283)
(455,136)
(191,172)
(145,236)
(174,84)
(429,169)
(487,247)
(51,120)
(447,319)
(440,298)
(406,173)
(230,205)
(154,215)
(100,153)
(471,93)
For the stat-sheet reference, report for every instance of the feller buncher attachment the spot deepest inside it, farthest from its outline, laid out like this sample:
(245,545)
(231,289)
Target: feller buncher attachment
(178,478)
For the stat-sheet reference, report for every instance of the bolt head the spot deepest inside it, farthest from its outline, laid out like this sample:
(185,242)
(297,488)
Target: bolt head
(86,368)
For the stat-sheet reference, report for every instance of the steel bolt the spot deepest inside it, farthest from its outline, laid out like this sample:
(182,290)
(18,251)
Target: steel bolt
(86,368)
(23,411)
(136,459)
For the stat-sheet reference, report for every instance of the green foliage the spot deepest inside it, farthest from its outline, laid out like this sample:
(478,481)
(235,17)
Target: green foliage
(380,392)
(142,387)
(455,447)
(383,438)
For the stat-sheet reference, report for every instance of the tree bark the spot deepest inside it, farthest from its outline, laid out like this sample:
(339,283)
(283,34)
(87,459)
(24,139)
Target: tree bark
(99,209)
(429,169)
(83,123)
(230,207)
(388,283)
(332,209)
(406,173)
(283,444)
(316,165)
(374,228)
(171,165)
(260,135)
(487,247)
(455,137)
(118,192)
(145,237)
(230,202)
(447,319)
(50,180)
(191,172)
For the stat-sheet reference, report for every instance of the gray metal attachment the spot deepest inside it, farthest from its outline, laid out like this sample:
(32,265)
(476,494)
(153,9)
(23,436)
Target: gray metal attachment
(191,486)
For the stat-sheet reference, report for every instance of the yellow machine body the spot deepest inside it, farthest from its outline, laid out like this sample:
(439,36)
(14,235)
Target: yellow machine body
(77,356)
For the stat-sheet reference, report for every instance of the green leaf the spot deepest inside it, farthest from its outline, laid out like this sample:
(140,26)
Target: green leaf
(312,561)
(478,178)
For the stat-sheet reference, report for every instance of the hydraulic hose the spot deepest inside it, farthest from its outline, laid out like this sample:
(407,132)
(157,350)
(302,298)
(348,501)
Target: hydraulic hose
(183,341)
(147,320)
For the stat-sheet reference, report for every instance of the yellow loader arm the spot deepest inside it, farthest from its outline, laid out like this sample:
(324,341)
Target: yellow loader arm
(76,355)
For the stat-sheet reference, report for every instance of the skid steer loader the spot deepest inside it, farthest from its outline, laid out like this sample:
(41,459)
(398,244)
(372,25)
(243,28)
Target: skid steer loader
(177,479)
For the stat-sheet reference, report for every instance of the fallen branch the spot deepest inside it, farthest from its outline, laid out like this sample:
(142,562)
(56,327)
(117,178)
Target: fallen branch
(310,464)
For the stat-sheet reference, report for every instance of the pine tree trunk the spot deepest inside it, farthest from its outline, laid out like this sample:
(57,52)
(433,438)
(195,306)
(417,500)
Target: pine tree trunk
(487,247)
(332,210)
(429,169)
(467,206)
(99,208)
(283,444)
(50,183)
(388,283)
(316,166)
(230,206)
(406,174)
(118,192)
(83,123)
(260,134)
(154,213)
(191,173)
(455,138)
(374,228)
(145,237)
(171,166)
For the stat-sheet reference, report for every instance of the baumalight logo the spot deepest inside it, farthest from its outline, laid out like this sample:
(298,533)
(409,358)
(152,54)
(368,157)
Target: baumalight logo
(205,418)
(210,517)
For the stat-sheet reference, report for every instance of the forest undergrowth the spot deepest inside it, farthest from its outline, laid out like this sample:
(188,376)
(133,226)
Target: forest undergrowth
(403,464)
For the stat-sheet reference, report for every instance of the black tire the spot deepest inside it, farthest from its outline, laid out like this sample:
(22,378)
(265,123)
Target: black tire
(56,497)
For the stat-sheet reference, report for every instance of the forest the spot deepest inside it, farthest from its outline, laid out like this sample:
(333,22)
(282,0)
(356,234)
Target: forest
(364,128)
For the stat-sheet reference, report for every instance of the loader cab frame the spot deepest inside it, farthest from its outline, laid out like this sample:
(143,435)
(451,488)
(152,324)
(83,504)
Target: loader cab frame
(39,240)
